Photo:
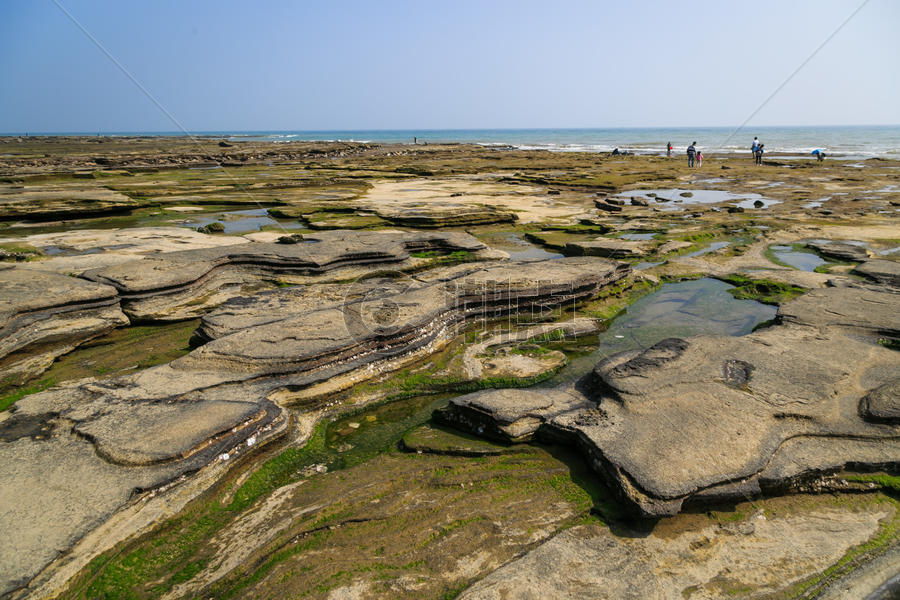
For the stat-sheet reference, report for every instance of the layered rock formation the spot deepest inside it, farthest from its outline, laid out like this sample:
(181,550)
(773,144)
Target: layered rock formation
(183,285)
(44,315)
(44,202)
(76,251)
(379,320)
(886,272)
(718,417)
(74,455)
(445,214)
(839,250)
(609,248)
(71,457)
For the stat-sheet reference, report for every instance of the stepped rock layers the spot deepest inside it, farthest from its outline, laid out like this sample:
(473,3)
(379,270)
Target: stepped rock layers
(719,417)
(274,305)
(44,202)
(886,272)
(839,250)
(379,322)
(445,214)
(70,457)
(44,315)
(186,284)
(609,248)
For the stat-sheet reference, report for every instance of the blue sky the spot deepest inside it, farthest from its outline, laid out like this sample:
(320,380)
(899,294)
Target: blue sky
(222,65)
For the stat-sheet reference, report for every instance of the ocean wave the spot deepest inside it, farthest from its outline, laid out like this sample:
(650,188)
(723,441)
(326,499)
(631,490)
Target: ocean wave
(800,151)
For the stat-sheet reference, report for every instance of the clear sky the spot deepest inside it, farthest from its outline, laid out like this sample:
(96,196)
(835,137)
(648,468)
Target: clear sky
(394,64)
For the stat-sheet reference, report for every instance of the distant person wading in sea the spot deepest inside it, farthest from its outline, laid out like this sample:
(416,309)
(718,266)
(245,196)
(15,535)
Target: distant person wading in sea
(691,152)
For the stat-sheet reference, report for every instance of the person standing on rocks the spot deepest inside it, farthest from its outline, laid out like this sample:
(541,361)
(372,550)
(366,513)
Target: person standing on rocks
(691,152)
(754,147)
(669,149)
(759,153)
(699,159)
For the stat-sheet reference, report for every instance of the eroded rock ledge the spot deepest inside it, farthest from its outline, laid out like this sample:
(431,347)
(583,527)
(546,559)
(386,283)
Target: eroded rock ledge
(44,315)
(717,417)
(71,456)
(445,214)
(186,284)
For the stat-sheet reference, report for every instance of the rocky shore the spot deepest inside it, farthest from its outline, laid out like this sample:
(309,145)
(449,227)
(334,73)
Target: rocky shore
(341,292)
(785,401)
(144,431)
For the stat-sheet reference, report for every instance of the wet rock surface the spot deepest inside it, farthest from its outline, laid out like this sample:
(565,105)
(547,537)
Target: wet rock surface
(717,417)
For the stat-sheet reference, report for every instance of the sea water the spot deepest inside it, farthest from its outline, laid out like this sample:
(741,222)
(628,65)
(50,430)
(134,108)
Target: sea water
(847,142)
(853,142)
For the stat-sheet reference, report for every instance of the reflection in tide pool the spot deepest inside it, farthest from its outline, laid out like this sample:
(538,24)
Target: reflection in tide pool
(637,237)
(671,199)
(517,248)
(805,261)
(240,221)
(680,309)
(684,309)
(711,248)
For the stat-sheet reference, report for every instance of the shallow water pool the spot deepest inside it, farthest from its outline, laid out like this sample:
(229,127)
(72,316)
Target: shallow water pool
(684,309)
(672,198)
(240,221)
(799,259)
(518,248)
(711,248)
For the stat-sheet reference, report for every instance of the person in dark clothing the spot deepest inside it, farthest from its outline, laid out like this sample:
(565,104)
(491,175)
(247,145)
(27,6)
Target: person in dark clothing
(759,153)
(669,149)
(691,152)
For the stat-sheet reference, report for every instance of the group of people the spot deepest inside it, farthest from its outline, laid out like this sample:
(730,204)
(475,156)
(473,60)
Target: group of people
(757,150)
(696,156)
(693,154)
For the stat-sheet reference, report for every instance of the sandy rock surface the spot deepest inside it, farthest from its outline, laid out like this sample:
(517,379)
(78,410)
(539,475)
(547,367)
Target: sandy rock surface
(761,554)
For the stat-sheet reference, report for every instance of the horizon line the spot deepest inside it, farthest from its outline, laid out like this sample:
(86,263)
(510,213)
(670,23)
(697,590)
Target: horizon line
(413,130)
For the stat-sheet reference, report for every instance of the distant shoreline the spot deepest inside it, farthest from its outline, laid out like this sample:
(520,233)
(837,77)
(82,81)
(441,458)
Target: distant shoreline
(850,142)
